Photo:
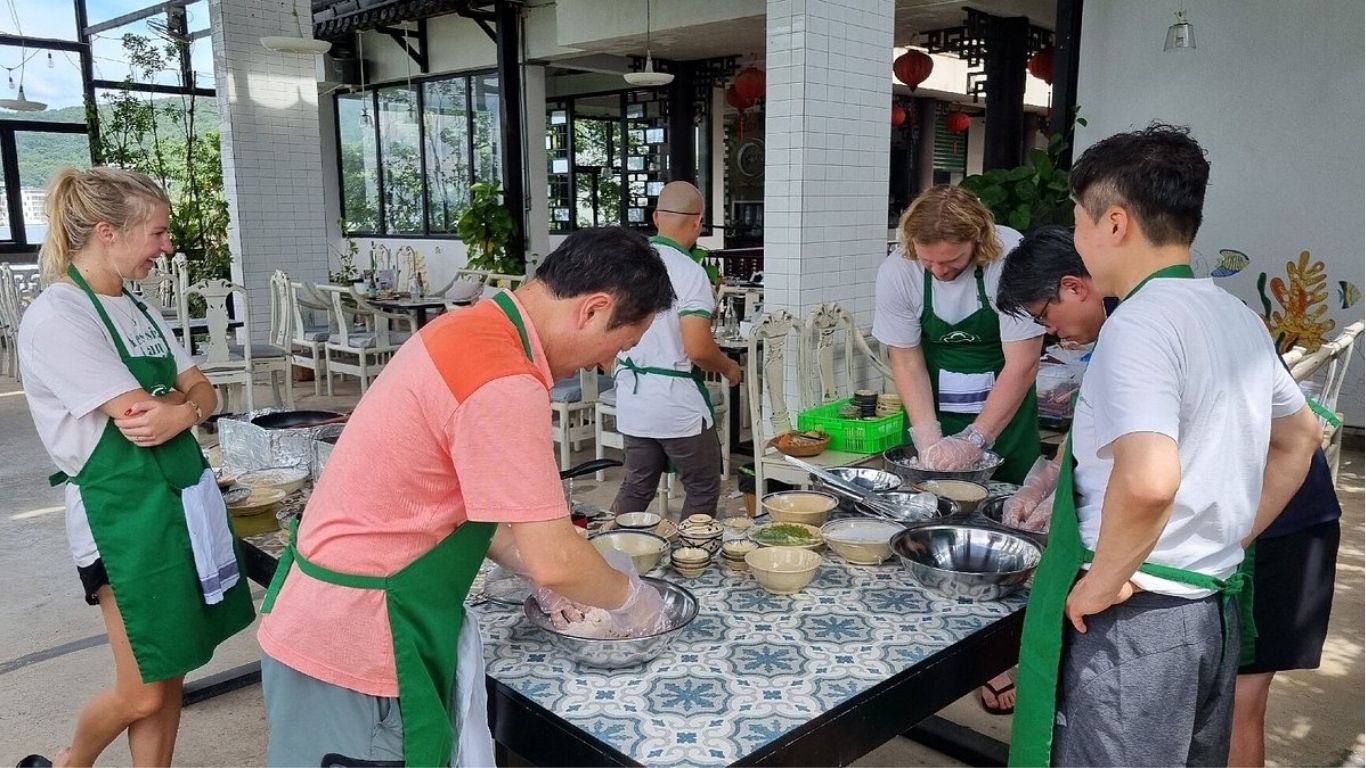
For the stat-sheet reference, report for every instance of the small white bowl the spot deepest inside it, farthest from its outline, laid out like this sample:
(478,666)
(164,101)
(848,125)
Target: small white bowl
(861,541)
(646,549)
(638,521)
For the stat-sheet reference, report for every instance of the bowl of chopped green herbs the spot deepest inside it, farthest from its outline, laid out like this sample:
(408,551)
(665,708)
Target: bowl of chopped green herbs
(798,535)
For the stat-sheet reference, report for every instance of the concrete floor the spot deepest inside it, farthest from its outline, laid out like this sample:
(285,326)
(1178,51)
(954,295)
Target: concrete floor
(53,655)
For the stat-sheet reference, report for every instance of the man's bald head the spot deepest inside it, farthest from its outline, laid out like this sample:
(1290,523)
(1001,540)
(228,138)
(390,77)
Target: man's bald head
(678,213)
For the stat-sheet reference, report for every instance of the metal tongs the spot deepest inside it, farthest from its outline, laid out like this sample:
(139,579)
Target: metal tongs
(867,501)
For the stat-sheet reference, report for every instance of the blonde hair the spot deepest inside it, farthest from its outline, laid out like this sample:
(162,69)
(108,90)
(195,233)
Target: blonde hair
(945,213)
(78,200)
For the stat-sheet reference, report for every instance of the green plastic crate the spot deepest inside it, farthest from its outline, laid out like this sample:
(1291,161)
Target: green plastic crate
(854,435)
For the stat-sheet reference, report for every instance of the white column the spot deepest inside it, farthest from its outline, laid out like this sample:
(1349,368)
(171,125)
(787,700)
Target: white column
(272,157)
(536,162)
(827,137)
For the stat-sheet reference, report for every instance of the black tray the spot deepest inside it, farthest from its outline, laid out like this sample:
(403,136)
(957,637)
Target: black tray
(294,419)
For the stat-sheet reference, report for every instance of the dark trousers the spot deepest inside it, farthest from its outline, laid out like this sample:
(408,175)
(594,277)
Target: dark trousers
(697,460)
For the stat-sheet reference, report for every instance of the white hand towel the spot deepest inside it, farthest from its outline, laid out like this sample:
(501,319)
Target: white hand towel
(206,517)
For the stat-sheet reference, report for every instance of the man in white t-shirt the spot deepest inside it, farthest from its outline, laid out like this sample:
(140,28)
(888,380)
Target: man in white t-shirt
(1189,438)
(664,411)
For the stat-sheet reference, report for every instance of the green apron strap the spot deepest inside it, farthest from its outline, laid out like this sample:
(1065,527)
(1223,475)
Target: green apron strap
(698,378)
(1323,413)
(1174,271)
(509,308)
(57,478)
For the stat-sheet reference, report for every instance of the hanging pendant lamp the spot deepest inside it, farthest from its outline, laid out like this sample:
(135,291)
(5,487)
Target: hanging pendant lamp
(648,77)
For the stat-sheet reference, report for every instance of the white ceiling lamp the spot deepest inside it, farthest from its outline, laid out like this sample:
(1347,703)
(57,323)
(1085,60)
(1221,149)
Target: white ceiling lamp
(21,103)
(299,43)
(1181,34)
(648,77)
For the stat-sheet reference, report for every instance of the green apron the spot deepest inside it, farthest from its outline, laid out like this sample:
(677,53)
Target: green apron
(426,606)
(973,345)
(1031,742)
(132,502)
(696,253)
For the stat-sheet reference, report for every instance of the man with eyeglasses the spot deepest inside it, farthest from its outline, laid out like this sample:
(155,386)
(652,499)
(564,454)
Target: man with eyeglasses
(664,409)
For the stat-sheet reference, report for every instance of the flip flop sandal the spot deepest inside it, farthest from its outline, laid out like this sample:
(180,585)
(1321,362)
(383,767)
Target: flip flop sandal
(34,761)
(997,692)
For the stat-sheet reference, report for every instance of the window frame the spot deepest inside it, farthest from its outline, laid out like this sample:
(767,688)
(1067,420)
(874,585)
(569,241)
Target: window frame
(18,242)
(417,84)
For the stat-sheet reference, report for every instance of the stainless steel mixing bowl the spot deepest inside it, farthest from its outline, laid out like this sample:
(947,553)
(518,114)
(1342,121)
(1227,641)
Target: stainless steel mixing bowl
(679,604)
(869,479)
(896,501)
(992,510)
(898,460)
(967,560)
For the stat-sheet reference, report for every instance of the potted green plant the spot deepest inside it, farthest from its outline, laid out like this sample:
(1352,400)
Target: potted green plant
(485,227)
(1030,195)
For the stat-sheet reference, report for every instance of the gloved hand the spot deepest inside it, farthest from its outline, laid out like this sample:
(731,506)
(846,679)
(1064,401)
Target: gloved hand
(1024,506)
(1038,519)
(562,610)
(951,454)
(643,612)
(925,436)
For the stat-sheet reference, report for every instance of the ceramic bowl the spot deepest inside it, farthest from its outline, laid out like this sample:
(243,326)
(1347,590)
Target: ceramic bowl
(702,532)
(645,549)
(787,536)
(287,479)
(258,501)
(808,507)
(638,521)
(783,570)
(967,494)
(861,541)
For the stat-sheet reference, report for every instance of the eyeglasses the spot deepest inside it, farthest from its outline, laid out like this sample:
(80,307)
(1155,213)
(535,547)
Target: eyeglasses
(1042,317)
(680,213)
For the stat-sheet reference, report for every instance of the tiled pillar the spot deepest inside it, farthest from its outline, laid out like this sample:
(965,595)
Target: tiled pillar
(827,122)
(272,161)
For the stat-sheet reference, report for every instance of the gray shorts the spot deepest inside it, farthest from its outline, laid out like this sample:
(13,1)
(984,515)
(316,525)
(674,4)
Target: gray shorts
(310,719)
(1149,683)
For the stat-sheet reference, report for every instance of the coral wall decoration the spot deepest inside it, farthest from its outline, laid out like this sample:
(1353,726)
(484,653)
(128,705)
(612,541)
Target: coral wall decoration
(1303,298)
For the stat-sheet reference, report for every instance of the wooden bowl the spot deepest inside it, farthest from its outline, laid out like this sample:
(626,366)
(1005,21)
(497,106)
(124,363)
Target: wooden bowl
(800,444)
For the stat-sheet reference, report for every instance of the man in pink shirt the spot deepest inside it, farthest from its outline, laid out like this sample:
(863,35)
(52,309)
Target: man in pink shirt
(450,445)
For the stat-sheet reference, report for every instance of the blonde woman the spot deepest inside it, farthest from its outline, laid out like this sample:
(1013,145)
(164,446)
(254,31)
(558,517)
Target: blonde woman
(114,398)
(964,371)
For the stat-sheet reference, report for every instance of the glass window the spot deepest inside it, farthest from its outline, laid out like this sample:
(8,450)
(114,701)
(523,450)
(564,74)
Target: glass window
(41,155)
(402,166)
(445,121)
(6,231)
(139,51)
(39,18)
(488,134)
(57,86)
(359,161)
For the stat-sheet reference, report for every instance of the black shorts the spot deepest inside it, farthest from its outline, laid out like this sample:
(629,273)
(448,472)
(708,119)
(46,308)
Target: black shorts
(93,577)
(1292,595)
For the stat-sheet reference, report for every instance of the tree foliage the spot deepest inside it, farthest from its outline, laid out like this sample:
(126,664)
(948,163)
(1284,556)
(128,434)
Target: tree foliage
(1030,195)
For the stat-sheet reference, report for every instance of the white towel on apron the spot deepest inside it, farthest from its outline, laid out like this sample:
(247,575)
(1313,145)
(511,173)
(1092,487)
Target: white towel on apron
(474,749)
(206,518)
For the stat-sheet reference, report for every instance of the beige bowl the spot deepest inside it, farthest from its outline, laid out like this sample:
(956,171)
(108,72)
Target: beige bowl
(260,500)
(861,541)
(787,536)
(783,570)
(645,549)
(967,494)
(806,507)
(639,521)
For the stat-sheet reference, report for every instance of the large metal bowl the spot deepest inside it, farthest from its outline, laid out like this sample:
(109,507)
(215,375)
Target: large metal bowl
(898,461)
(966,560)
(993,509)
(869,479)
(679,604)
(893,500)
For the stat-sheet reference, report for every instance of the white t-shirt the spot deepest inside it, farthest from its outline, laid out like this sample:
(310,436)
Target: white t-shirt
(900,297)
(71,367)
(655,405)
(1185,359)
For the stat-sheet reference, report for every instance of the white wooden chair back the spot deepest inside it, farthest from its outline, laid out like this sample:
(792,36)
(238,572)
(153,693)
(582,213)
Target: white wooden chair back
(1340,360)
(510,282)
(766,375)
(281,312)
(827,329)
(224,302)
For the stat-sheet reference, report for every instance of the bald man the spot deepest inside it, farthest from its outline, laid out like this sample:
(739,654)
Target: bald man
(664,412)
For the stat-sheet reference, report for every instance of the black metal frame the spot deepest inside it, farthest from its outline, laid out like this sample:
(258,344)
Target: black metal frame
(372,91)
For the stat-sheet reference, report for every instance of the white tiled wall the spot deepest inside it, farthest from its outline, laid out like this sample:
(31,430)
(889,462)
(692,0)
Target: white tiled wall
(827,128)
(272,161)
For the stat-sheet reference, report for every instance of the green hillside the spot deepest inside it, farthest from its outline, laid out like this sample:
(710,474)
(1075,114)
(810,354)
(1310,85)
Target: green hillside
(41,154)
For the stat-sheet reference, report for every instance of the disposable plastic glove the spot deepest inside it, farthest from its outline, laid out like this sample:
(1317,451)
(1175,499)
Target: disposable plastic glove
(1025,505)
(562,610)
(922,438)
(951,454)
(1039,519)
(643,612)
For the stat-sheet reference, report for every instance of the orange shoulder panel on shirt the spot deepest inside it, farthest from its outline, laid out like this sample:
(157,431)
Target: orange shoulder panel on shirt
(471,347)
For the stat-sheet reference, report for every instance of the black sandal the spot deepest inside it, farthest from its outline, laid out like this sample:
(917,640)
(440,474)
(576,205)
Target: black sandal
(34,761)
(997,692)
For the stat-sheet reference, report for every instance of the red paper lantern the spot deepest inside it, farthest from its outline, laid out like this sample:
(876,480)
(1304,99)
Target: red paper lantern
(912,67)
(750,84)
(734,99)
(957,122)
(898,115)
(1040,65)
